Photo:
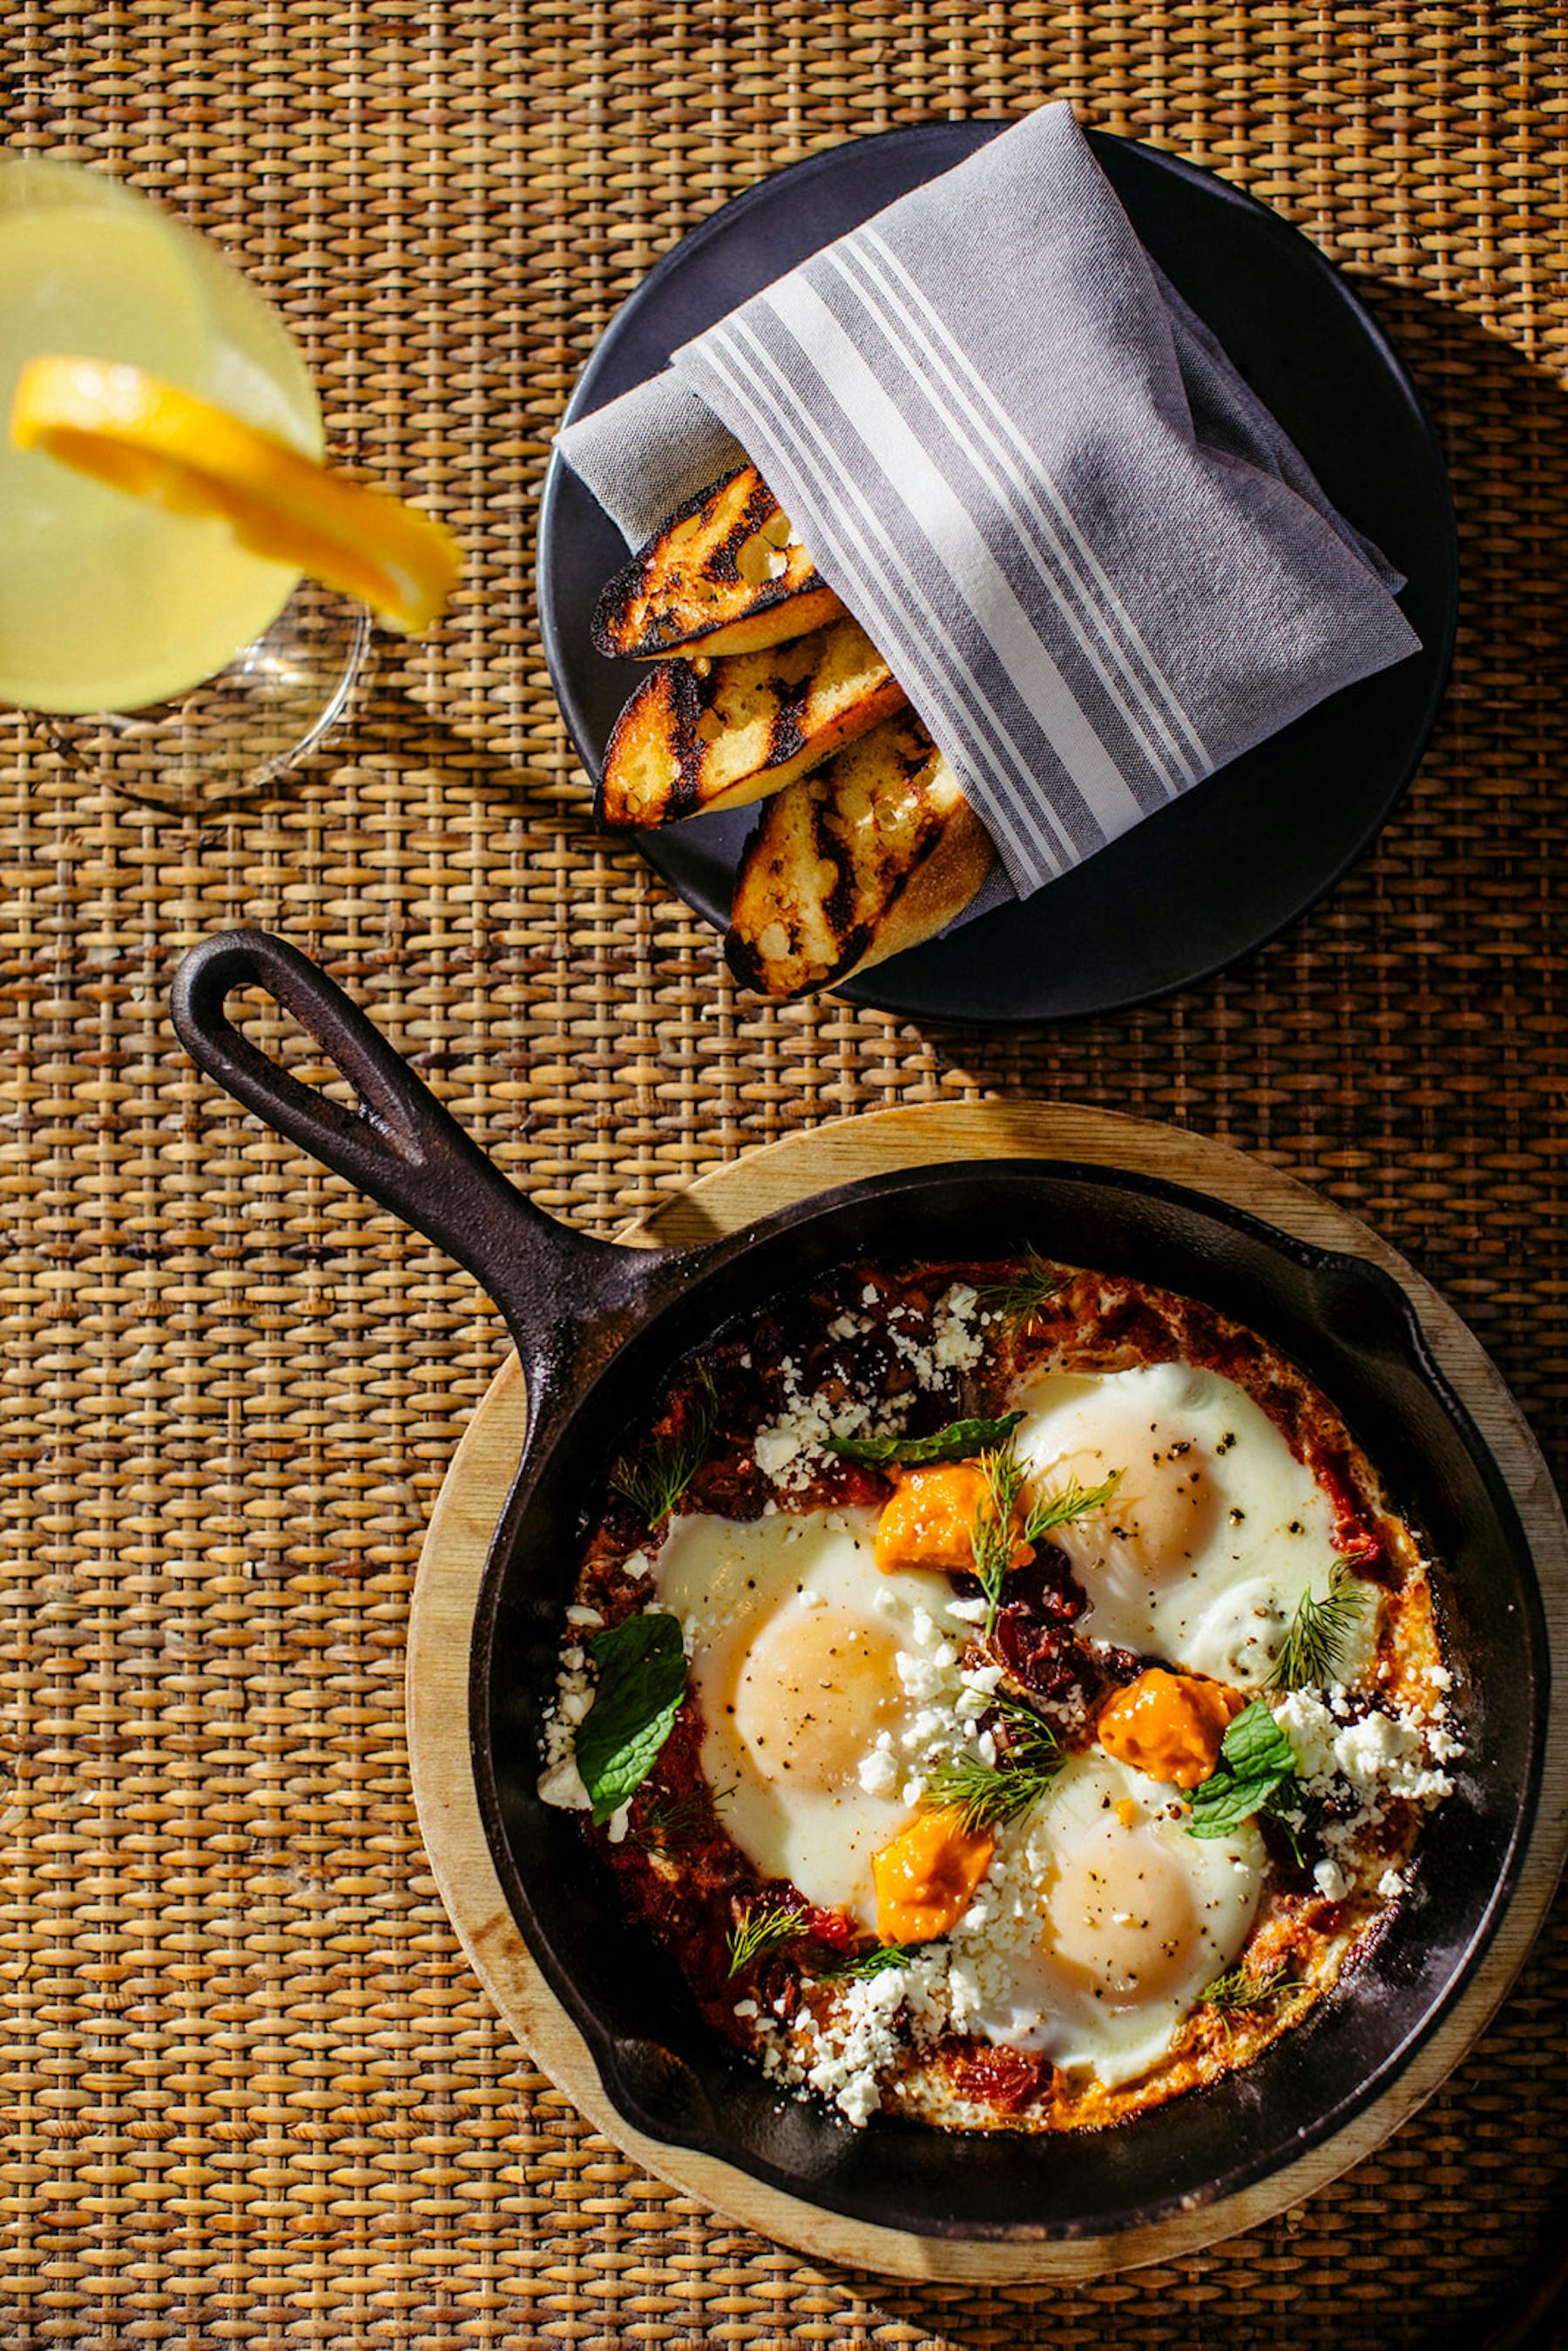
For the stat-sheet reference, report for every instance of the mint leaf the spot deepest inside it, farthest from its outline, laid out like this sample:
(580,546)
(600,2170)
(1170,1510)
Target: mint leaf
(642,1681)
(1254,1744)
(959,1441)
(1257,1765)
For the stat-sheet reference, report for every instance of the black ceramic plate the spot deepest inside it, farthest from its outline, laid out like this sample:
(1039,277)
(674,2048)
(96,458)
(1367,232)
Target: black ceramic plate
(1230,864)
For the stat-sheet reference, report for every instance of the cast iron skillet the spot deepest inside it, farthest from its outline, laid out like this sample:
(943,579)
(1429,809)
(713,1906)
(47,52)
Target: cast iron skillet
(599,1327)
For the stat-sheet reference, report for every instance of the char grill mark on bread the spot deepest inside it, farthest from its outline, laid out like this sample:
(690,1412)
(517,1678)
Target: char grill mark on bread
(722,733)
(725,574)
(872,853)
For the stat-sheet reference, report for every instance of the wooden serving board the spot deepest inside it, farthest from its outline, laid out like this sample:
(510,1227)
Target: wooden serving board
(470,1503)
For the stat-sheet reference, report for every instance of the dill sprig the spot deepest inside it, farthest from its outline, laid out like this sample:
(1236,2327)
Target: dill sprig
(1239,1990)
(995,1535)
(1317,1639)
(1020,1302)
(668,1823)
(989,1795)
(855,1967)
(655,1480)
(1049,1511)
(762,1928)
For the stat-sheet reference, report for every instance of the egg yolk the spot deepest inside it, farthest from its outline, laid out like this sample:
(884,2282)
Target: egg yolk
(1166,1510)
(812,1691)
(925,1876)
(1168,1724)
(930,1518)
(1123,1918)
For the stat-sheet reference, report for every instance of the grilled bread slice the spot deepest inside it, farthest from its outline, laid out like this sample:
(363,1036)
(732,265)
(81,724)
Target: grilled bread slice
(724,575)
(875,852)
(709,735)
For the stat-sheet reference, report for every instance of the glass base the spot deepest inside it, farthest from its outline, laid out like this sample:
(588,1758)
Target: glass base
(228,740)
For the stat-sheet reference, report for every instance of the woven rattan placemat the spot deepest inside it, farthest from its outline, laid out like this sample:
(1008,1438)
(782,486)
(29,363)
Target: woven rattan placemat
(252,2094)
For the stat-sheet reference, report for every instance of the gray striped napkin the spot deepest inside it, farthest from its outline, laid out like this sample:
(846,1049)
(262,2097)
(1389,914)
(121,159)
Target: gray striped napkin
(1095,563)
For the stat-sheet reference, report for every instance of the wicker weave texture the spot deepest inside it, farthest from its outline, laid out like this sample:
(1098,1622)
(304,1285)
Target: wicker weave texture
(252,2095)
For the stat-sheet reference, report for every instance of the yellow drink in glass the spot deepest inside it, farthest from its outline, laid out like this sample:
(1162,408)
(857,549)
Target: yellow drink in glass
(109,603)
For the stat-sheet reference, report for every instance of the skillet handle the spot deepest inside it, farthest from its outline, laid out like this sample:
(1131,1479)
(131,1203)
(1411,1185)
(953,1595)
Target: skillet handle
(399,1144)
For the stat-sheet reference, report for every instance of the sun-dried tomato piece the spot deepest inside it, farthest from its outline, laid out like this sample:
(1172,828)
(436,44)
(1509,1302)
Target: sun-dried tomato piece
(1003,2078)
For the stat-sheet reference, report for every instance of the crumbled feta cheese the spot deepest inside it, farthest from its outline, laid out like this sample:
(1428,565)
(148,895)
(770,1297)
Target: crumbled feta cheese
(921,1676)
(1372,1758)
(776,1450)
(956,1345)
(1370,1746)
(791,1450)
(1309,1728)
(561,1785)
(851,2047)
(878,1773)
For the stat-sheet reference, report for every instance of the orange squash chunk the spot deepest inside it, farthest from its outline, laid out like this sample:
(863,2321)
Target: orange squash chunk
(1168,1724)
(929,1520)
(924,1877)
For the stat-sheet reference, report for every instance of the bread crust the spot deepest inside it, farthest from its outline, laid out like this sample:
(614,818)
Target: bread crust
(722,734)
(724,574)
(874,853)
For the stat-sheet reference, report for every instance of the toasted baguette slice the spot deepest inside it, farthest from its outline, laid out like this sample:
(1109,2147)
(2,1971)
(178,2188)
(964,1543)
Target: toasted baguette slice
(724,575)
(721,734)
(870,855)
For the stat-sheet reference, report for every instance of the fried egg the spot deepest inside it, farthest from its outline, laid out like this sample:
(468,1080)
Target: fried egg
(815,1674)
(1101,1923)
(1215,1530)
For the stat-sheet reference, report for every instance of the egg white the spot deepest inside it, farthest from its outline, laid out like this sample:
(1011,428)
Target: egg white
(1097,1928)
(820,1680)
(1215,1531)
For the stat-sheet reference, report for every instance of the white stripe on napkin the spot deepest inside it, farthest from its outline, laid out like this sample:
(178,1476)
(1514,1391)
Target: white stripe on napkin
(1080,574)
(736,356)
(909,475)
(1058,789)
